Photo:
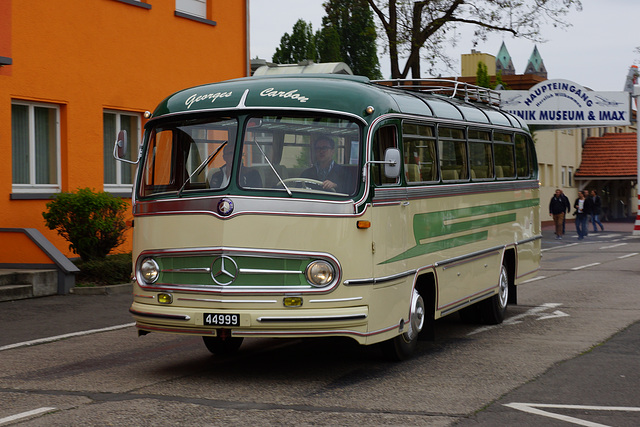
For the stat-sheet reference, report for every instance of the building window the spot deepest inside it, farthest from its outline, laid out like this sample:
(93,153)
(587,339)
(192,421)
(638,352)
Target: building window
(35,145)
(192,7)
(570,169)
(118,176)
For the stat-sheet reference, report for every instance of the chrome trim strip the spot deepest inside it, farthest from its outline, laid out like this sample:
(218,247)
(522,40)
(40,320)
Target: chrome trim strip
(530,239)
(466,303)
(470,255)
(229,301)
(336,300)
(267,204)
(395,194)
(261,271)
(376,280)
(187,270)
(312,318)
(159,316)
(331,332)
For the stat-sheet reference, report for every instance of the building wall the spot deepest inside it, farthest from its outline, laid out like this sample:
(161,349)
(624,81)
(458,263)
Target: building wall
(559,156)
(88,56)
(559,153)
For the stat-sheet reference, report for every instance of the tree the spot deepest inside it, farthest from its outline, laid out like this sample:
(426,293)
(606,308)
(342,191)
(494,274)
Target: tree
(348,34)
(482,76)
(298,46)
(411,26)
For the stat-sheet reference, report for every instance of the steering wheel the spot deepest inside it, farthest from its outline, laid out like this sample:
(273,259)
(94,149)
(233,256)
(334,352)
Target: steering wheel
(307,183)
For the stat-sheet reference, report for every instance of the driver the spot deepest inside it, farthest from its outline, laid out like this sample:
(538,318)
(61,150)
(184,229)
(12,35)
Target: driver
(332,175)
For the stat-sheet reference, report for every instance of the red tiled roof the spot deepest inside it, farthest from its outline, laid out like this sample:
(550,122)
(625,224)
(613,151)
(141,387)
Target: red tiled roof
(611,155)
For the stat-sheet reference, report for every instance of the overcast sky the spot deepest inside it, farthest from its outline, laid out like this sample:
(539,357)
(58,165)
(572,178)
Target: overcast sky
(596,51)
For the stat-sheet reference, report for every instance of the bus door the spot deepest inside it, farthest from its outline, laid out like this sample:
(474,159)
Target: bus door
(391,222)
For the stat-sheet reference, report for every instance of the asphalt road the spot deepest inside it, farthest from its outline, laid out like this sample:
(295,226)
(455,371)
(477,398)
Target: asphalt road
(567,353)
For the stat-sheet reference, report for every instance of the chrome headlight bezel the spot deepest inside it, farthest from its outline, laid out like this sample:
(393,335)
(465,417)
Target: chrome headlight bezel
(320,273)
(149,271)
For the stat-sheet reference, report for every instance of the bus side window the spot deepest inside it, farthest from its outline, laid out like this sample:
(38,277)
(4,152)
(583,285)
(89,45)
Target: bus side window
(384,138)
(419,143)
(504,155)
(522,162)
(453,154)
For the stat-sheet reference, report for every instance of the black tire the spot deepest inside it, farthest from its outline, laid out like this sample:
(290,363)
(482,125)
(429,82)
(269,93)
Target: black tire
(402,346)
(493,309)
(222,346)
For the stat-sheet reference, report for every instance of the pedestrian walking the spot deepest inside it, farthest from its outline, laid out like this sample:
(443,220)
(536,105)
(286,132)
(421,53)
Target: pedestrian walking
(596,211)
(581,216)
(568,210)
(557,209)
(588,210)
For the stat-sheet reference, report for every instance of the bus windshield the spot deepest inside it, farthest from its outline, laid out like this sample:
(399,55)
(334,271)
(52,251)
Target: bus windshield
(294,155)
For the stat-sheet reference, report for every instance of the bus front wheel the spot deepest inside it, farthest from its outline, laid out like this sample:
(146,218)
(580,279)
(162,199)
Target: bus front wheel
(222,345)
(402,346)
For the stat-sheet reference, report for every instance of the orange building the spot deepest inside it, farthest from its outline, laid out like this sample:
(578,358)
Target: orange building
(75,72)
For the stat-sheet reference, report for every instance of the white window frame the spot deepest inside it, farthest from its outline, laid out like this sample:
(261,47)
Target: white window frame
(192,7)
(119,187)
(32,187)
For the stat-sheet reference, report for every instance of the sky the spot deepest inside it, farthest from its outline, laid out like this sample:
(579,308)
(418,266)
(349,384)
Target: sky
(596,51)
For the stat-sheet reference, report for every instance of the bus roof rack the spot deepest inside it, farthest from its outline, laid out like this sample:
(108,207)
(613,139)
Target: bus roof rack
(450,88)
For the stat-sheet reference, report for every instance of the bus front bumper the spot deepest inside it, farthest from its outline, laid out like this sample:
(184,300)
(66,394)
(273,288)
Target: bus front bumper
(293,323)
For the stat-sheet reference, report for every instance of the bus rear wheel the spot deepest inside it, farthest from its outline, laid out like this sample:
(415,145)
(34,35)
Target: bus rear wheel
(493,309)
(222,344)
(402,346)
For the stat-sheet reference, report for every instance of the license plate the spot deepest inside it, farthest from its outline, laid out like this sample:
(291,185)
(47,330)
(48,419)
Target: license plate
(218,319)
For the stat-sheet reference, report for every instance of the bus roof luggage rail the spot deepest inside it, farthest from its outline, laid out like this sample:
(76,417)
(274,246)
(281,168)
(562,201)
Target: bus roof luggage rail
(451,88)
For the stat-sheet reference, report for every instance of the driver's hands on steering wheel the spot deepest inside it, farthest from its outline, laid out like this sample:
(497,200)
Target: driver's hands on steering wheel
(329,185)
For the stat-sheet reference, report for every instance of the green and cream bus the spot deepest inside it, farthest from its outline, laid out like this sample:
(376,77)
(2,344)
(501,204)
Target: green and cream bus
(325,205)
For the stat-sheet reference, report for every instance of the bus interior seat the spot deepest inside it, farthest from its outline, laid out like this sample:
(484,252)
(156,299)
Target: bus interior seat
(450,175)
(412,172)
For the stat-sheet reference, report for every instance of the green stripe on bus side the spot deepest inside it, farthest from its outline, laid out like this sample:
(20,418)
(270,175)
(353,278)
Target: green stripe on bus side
(430,225)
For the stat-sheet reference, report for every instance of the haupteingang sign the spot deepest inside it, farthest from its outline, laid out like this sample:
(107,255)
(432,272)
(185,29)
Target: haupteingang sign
(565,103)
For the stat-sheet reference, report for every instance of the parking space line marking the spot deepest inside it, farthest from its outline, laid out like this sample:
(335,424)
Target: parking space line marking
(21,415)
(613,246)
(585,266)
(534,279)
(61,337)
(558,247)
(531,408)
(628,255)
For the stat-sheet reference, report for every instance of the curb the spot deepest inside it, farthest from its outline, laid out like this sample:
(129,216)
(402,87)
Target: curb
(123,288)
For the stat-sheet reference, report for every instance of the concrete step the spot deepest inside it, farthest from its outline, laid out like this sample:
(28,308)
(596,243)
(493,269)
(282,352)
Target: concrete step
(21,284)
(15,292)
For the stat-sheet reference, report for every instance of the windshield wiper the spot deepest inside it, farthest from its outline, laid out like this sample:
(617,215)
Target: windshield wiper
(273,169)
(202,165)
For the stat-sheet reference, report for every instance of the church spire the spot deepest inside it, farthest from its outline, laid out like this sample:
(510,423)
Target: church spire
(535,64)
(504,64)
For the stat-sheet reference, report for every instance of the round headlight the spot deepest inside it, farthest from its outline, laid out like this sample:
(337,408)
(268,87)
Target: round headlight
(319,273)
(149,271)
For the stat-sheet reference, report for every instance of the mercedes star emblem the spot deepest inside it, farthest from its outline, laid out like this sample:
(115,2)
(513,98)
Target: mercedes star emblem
(224,270)
(225,206)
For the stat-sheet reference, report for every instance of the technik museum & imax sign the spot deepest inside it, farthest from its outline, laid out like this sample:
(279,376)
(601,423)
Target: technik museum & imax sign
(565,103)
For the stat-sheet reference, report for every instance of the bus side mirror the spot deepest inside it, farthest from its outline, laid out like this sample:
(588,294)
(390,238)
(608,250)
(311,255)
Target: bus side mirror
(121,145)
(121,148)
(392,163)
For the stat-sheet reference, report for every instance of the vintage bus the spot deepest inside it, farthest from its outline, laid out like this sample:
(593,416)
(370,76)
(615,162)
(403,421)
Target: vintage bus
(327,205)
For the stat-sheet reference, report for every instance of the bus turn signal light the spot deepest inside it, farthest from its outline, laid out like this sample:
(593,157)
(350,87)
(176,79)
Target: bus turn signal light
(363,224)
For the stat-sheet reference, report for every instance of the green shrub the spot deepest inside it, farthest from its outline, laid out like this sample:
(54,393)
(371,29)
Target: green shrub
(112,270)
(93,223)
